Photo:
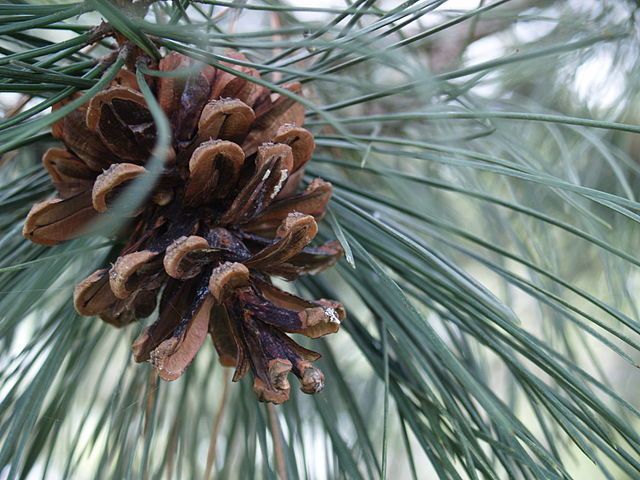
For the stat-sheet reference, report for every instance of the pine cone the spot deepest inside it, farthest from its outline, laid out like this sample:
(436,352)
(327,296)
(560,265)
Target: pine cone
(225,216)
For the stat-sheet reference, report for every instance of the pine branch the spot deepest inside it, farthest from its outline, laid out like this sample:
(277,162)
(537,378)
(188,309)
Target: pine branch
(486,208)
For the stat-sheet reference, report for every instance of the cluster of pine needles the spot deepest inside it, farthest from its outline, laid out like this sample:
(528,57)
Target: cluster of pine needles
(485,202)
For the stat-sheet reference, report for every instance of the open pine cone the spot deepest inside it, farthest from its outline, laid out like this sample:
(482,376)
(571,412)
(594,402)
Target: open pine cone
(225,216)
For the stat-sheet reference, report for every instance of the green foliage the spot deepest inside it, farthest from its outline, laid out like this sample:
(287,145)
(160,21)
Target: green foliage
(487,209)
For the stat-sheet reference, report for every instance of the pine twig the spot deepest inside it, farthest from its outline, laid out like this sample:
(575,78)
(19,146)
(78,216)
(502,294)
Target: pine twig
(217,424)
(278,448)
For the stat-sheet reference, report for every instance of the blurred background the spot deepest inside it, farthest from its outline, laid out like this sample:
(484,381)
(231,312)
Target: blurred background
(485,159)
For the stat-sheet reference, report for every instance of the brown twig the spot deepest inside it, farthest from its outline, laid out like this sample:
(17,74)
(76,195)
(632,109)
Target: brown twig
(276,435)
(152,381)
(446,50)
(172,445)
(276,24)
(100,32)
(217,424)
(17,108)
(12,111)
